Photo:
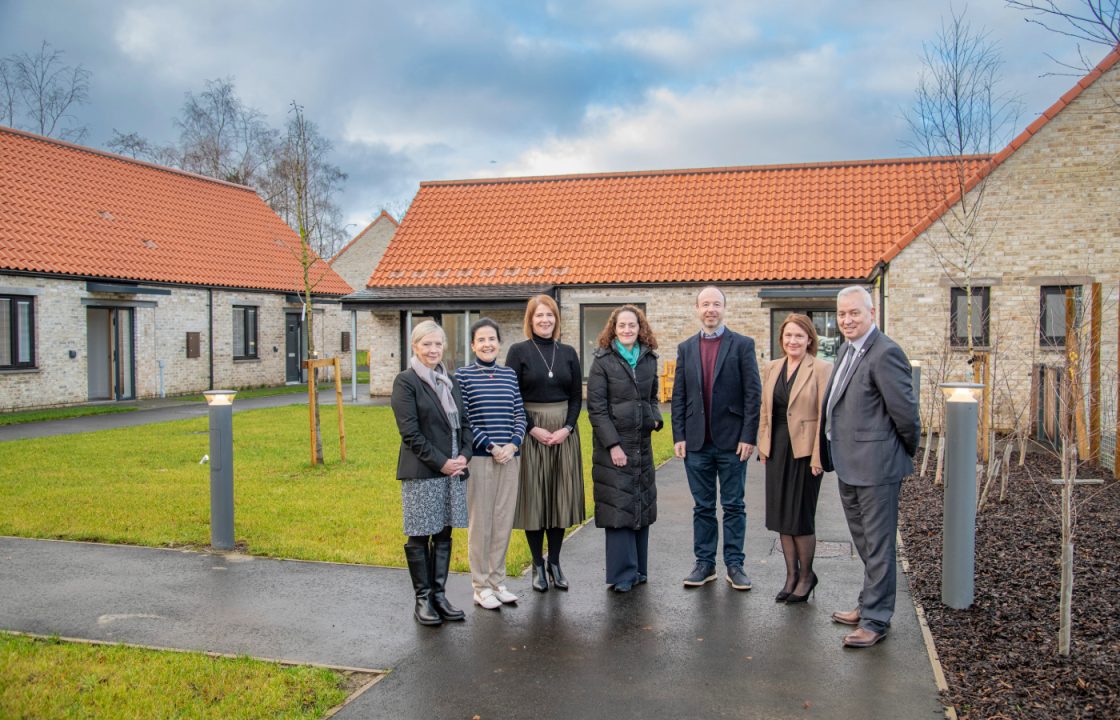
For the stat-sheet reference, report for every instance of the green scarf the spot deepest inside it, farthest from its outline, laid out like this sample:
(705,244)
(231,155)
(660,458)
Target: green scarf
(631,355)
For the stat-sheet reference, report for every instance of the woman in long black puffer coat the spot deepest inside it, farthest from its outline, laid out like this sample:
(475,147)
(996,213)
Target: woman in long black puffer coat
(622,406)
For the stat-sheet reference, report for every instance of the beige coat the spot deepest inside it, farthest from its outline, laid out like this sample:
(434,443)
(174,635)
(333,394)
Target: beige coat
(804,414)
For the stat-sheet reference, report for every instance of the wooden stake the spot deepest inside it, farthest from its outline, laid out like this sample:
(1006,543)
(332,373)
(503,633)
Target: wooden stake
(929,447)
(312,399)
(1006,470)
(940,460)
(338,403)
(1095,374)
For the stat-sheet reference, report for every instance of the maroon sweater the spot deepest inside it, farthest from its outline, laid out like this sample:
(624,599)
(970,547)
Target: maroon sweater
(709,350)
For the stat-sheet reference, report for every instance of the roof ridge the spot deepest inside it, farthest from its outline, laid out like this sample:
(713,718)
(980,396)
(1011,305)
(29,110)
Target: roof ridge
(363,231)
(1001,157)
(123,158)
(704,171)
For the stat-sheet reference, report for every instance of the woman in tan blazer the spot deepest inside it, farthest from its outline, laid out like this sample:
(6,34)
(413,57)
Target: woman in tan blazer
(793,389)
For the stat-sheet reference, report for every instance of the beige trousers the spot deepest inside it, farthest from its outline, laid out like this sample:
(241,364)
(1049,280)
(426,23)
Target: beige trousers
(491,505)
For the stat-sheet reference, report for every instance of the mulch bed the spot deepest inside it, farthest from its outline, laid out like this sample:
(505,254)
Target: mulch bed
(1001,655)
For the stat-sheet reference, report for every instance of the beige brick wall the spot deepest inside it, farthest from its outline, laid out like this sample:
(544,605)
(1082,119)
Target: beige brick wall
(671,311)
(1048,216)
(160,332)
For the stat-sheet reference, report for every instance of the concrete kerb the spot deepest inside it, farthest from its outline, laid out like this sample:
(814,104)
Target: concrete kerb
(927,636)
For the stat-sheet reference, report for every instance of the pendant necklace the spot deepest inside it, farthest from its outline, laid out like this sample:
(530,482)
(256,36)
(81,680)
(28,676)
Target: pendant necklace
(488,369)
(549,367)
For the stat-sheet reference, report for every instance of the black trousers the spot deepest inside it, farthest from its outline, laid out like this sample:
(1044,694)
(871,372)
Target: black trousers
(627,552)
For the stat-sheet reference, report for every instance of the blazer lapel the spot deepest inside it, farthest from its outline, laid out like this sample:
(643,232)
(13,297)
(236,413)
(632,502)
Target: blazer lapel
(431,395)
(851,372)
(697,367)
(803,375)
(724,348)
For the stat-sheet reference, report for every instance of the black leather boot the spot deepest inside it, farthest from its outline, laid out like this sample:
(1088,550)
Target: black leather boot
(441,561)
(540,578)
(417,556)
(556,575)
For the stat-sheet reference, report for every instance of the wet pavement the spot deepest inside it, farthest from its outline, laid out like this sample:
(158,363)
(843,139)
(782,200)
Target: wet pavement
(659,651)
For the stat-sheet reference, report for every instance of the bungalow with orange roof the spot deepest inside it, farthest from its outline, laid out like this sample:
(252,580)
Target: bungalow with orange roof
(121,279)
(777,239)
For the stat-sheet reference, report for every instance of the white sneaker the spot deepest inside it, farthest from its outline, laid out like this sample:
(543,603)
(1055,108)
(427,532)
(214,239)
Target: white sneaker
(505,595)
(487,599)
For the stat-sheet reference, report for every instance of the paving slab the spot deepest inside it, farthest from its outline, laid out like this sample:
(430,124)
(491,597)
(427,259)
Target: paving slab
(659,651)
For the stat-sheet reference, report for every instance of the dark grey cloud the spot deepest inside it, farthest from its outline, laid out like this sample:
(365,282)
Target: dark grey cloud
(427,90)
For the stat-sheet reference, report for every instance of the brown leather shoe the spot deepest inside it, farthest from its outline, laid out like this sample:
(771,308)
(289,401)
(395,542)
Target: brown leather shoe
(862,638)
(850,617)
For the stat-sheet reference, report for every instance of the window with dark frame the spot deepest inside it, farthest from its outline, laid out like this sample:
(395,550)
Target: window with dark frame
(958,321)
(17,332)
(244,332)
(1052,313)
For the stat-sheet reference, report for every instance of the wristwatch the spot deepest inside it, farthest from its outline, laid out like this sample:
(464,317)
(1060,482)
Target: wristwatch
(490,448)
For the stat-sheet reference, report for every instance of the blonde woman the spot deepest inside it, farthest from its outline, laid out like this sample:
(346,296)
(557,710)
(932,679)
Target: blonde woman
(432,467)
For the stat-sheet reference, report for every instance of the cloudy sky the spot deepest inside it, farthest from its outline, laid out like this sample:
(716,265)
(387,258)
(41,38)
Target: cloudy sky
(415,90)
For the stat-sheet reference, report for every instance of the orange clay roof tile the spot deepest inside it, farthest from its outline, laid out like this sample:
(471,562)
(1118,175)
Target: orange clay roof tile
(786,222)
(71,210)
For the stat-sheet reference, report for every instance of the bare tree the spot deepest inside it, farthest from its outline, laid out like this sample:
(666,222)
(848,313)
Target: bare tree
(1091,21)
(299,175)
(302,183)
(221,137)
(134,145)
(959,112)
(39,92)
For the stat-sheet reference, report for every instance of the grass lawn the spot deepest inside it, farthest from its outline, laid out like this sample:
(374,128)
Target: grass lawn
(28,416)
(51,679)
(144,485)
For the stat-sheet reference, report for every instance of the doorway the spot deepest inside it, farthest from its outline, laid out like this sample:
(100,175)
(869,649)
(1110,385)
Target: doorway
(293,348)
(110,349)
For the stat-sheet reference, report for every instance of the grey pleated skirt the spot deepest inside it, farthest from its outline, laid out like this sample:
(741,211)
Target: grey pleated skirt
(551,492)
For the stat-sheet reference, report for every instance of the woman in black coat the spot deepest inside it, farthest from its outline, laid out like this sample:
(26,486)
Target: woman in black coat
(623,410)
(432,468)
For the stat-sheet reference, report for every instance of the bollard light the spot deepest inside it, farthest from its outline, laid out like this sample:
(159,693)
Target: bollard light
(221,467)
(958,542)
(916,379)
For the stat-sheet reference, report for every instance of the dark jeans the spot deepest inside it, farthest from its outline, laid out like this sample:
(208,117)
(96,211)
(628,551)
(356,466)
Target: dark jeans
(627,551)
(709,468)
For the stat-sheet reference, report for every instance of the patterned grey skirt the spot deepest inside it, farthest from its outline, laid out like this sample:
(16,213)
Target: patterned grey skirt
(551,492)
(431,504)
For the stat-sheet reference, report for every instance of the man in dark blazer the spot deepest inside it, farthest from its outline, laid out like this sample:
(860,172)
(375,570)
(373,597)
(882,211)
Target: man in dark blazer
(869,434)
(716,395)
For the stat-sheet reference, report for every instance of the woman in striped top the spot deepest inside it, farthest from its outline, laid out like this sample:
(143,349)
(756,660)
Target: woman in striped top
(493,403)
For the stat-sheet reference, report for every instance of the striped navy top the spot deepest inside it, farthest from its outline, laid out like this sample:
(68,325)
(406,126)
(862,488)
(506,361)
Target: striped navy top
(493,402)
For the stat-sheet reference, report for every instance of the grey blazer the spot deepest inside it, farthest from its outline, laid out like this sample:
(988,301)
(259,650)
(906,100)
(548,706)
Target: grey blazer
(875,423)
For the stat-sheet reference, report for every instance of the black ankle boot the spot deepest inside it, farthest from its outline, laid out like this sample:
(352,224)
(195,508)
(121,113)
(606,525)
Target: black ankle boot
(556,575)
(441,561)
(540,579)
(417,557)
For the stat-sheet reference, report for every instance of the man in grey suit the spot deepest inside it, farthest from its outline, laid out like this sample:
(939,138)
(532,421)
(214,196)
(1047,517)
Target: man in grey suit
(870,430)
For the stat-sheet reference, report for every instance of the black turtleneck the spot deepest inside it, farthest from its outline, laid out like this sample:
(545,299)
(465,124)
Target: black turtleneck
(566,383)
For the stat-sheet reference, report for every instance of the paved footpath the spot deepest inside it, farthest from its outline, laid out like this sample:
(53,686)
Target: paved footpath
(659,652)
